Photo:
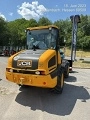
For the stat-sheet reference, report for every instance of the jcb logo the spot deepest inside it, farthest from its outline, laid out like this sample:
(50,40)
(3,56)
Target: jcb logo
(24,63)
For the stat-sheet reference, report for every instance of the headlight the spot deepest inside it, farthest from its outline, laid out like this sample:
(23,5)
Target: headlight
(9,69)
(37,73)
(16,57)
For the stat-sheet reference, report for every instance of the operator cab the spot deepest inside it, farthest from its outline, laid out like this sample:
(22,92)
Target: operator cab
(42,37)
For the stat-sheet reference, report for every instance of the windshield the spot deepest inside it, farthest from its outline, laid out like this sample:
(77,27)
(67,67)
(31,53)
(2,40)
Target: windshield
(42,38)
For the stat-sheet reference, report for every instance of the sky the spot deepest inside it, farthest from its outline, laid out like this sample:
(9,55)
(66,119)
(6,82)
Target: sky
(52,9)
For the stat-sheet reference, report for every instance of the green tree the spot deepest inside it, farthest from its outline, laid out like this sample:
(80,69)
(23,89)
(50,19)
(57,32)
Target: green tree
(17,30)
(32,23)
(13,32)
(44,21)
(85,43)
(3,32)
(65,31)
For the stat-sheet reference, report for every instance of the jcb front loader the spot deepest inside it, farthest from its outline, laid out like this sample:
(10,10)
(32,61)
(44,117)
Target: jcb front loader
(40,64)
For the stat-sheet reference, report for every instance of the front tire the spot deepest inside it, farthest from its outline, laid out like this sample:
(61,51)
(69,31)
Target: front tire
(60,84)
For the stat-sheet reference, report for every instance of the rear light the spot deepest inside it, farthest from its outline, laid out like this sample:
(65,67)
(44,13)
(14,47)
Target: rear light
(70,69)
(42,72)
(44,83)
(9,69)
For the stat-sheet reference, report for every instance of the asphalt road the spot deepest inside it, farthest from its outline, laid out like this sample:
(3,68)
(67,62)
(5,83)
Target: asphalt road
(31,103)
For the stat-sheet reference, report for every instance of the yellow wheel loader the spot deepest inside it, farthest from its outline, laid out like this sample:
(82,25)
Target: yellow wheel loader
(39,65)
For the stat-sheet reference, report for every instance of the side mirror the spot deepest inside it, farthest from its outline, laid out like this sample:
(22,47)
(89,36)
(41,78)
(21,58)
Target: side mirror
(57,47)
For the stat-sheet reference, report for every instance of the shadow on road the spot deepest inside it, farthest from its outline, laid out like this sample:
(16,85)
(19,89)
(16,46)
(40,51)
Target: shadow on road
(71,79)
(44,100)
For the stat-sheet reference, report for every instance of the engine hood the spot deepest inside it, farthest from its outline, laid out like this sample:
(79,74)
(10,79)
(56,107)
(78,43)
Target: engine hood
(27,59)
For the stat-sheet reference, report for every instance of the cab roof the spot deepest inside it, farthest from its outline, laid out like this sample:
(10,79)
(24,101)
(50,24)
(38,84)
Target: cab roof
(42,27)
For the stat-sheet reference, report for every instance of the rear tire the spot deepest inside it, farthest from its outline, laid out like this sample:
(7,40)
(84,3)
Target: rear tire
(66,72)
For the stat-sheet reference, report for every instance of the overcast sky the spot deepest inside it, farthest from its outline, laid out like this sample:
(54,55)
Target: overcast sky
(52,9)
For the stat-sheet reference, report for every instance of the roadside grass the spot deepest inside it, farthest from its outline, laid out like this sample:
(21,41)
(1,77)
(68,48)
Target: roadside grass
(79,63)
(79,53)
